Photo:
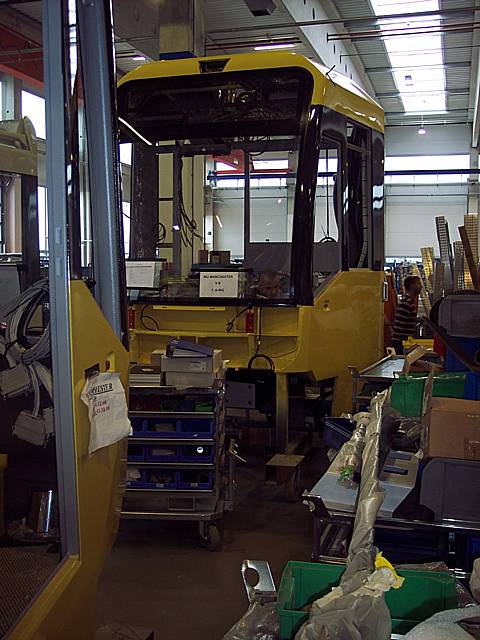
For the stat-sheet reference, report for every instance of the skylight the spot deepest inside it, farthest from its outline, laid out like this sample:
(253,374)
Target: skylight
(420,78)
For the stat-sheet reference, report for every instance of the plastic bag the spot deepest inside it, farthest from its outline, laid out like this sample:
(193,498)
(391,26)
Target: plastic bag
(260,622)
(442,626)
(105,398)
(475,580)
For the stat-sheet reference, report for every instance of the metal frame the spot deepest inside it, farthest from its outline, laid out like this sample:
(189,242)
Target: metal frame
(100,104)
(57,77)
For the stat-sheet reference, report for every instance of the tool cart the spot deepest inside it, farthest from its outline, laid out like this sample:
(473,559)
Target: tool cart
(180,466)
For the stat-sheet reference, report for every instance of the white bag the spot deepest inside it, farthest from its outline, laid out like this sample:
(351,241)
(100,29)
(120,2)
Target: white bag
(104,396)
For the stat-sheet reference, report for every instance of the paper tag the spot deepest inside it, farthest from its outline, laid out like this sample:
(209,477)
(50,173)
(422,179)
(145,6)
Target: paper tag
(198,366)
(219,284)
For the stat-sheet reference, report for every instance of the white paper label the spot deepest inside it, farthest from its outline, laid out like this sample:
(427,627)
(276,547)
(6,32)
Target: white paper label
(198,365)
(219,284)
(140,274)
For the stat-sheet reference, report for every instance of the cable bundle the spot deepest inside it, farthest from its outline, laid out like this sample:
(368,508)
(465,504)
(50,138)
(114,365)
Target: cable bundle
(23,349)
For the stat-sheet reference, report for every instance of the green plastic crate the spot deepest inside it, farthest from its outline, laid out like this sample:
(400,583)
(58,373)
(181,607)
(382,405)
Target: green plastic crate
(423,593)
(407,391)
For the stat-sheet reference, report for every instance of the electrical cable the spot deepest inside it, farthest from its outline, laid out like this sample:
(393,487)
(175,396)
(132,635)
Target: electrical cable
(144,317)
(22,347)
(260,356)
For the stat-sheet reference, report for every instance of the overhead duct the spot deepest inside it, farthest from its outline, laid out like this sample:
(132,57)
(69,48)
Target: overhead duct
(261,7)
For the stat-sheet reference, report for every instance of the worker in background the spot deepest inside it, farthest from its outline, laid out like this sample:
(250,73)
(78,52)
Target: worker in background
(405,322)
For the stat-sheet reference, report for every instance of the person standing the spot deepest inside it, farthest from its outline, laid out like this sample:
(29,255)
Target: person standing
(405,322)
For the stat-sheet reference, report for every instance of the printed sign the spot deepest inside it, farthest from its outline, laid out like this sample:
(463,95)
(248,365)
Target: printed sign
(219,284)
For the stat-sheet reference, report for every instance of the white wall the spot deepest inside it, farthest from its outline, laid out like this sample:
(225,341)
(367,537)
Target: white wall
(410,217)
(410,211)
(439,140)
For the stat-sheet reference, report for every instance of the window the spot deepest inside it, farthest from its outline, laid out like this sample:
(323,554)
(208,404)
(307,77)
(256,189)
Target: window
(126,227)
(126,153)
(33,107)
(412,164)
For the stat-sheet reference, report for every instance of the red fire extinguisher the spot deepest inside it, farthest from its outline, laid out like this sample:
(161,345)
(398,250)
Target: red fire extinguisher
(250,321)
(131,317)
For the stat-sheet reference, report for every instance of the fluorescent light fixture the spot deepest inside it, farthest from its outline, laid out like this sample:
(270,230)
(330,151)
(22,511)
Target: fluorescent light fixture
(421,131)
(281,45)
(176,227)
(420,79)
(134,131)
(139,58)
(219,222)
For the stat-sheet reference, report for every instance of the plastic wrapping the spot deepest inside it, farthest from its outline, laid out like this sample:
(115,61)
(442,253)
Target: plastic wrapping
(475,580)
(260,622)
(350,455)
(356,609)
(443,626)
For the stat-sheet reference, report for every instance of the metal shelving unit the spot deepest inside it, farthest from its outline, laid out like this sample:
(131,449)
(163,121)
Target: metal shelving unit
(199,502)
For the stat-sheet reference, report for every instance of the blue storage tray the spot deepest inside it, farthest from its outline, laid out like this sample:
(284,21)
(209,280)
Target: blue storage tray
(135,452)
(472,386)
(469,345)
(197,453)
(194,479)
(137,425)
(152,427)
(195,428)
(137,484)
(162,457)
(159,479)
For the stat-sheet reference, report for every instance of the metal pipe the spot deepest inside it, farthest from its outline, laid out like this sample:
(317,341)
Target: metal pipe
(460,27)
(449,65)
(345,21)
(421,52)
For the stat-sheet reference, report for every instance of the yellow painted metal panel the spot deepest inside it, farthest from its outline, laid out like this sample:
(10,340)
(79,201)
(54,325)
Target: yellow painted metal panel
(334,91)
(66,606)
(343,328)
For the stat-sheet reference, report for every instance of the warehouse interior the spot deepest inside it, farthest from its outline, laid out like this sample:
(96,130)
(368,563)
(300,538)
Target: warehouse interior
(239,305)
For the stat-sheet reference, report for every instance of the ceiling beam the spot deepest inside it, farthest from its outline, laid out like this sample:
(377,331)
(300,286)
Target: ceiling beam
(323,14)
(346,21)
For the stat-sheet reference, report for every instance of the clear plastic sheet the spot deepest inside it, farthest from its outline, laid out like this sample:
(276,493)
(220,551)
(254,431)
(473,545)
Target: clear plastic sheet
(443,626)
(260,622)
(350,455)
(475,580)
(356,610)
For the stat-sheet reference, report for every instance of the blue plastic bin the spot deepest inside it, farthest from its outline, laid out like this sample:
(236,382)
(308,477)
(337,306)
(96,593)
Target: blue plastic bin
(472,386)
(137,484)
(197,453)
(470,345)
(196,428)
(160,427)
(160,479)
(195,479)
(162,453)
(136,452)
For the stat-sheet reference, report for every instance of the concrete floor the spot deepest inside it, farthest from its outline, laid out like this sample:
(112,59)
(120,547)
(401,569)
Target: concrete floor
(159,577)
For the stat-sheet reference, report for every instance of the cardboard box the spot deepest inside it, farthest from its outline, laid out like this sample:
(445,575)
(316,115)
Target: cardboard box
(220,257)
(188,379)
(202,256)
(156,357)
(452,429)
(192,364)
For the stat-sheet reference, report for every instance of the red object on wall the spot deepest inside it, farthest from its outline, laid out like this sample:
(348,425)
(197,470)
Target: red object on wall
(250,321)
(131,317)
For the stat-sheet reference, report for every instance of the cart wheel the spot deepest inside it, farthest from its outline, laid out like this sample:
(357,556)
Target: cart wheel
(212,537)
